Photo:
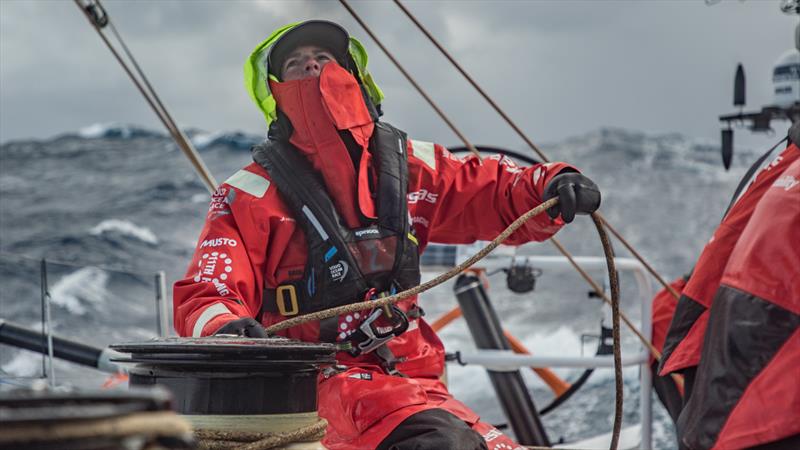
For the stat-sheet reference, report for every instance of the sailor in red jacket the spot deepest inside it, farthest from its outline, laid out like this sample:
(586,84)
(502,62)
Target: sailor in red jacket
(337,207)
(735,330)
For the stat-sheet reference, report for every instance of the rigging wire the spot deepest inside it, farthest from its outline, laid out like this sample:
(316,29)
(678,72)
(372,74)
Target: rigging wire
(98,17)
(413,82)
(524,137)
(645,341)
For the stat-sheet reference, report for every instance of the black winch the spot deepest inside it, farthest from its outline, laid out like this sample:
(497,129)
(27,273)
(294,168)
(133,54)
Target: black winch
(231,375)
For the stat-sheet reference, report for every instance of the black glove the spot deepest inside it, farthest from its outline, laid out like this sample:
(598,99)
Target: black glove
(247,327)
(576,195)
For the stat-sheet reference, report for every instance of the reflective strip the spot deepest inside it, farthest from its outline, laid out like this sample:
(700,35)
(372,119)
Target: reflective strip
(315,222)
(332,251)
(212,311)
(412,325)
(253,184)
(425,151)
(536,174)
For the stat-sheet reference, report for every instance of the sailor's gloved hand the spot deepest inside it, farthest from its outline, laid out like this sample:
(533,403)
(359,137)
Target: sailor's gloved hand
(246,327)
(576,194)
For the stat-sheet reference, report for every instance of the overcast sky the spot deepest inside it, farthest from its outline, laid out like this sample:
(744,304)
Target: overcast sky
(560,68)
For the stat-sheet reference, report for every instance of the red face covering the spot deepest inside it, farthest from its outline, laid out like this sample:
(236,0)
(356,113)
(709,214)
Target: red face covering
(318,108)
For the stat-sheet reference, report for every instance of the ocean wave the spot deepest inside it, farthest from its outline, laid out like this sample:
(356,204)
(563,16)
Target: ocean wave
(126,228)
(24,364)
(235,139)
(200,198)
(78,289)
(116,130)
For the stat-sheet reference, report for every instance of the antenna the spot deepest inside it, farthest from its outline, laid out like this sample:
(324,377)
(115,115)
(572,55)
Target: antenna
(727,148)
(738,87)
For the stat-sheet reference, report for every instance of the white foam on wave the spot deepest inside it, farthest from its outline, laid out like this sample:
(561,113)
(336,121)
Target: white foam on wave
(125,227)
(80,288)
(202,140)
(98,130)
(561,342)
(24,364)
(200,198)
(120,130)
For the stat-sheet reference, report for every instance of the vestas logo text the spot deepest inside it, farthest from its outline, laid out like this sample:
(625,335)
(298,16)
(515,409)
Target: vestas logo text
(219,241)
(422,195)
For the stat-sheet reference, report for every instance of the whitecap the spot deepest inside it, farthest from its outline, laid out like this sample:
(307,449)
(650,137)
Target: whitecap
(98,130)
(77,289)
(125,227)
(203,140)
(200,198)
(115,130)
(24,364)
(234,139)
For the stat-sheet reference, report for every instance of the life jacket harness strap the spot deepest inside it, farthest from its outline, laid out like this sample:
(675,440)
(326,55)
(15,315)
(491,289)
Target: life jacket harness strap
(343,264)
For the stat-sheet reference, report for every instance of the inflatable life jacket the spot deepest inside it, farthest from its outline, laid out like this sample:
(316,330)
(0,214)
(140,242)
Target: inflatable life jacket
(344,264)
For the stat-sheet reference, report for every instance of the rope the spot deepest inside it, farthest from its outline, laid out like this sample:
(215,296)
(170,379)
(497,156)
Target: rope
(615,331)
(412,81)
(525,138)
(149,94)
(370,304)
(160,423)
(244,440)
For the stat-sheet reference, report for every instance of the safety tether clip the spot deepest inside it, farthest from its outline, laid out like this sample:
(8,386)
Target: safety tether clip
(380,326)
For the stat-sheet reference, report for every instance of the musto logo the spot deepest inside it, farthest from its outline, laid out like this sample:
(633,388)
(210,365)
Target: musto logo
(338,271)
(219,241)
(215,268)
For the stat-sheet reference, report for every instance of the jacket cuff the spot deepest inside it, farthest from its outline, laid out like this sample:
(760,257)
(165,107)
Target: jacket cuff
(213,317)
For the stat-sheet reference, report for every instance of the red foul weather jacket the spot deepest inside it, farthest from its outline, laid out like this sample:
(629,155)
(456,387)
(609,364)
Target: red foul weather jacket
(252,241)
(738,317)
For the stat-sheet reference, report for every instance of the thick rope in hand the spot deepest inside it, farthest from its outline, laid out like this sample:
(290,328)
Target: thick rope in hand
(615,331)
(353,307)
(370,304)
(245,440)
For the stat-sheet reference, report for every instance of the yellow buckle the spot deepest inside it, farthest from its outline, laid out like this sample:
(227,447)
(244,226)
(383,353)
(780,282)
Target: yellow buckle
(281,302)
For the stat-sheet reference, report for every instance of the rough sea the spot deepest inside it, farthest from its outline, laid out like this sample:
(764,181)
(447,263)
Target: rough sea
(110,206)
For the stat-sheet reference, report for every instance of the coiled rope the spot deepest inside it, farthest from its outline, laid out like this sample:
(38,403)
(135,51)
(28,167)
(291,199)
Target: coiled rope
(377,303)
(244,440)
(147,425)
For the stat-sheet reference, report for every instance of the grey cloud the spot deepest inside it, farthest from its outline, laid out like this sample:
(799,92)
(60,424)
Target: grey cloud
(560,68)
